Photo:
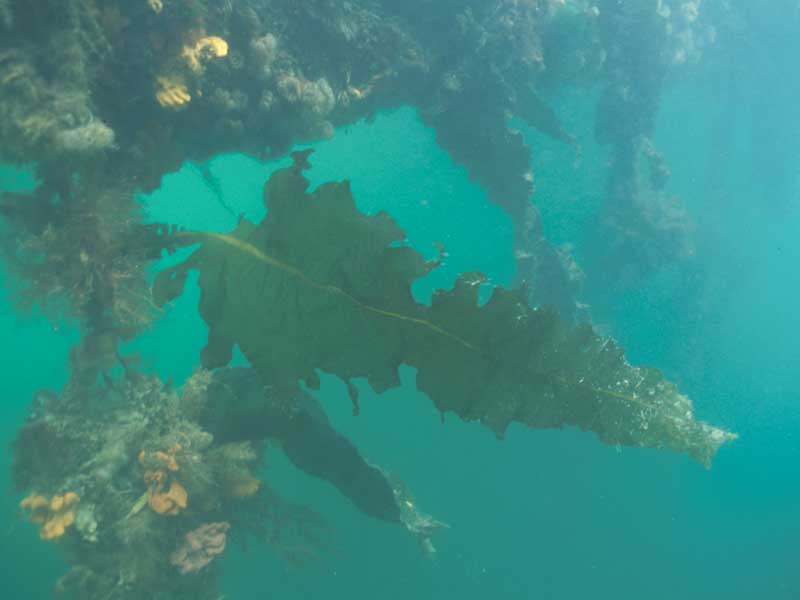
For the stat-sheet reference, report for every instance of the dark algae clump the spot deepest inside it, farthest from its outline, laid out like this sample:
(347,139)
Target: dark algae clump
(145,483)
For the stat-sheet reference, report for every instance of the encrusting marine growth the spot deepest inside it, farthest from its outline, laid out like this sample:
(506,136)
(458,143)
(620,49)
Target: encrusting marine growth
(163,479)
(200,547)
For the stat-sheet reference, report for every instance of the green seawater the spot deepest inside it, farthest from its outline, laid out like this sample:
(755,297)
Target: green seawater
(542,514)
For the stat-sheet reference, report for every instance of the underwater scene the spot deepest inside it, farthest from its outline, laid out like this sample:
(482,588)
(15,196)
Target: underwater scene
(395,299)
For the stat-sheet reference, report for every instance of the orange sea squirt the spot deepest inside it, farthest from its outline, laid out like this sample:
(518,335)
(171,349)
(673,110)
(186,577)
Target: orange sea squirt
(55,515)
(171,502)
(161,460)
(160,465)
(210,46)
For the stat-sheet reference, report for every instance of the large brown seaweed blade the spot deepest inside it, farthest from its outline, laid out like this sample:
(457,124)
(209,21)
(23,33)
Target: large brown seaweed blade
(320,286)
(535,369)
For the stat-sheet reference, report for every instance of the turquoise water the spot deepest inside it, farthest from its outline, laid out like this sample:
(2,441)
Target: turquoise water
(544,514)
